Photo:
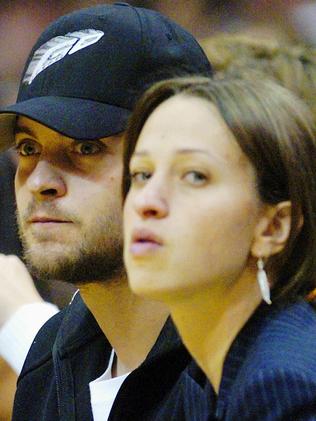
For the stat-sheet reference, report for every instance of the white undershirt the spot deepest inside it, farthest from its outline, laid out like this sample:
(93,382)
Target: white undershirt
(103,391)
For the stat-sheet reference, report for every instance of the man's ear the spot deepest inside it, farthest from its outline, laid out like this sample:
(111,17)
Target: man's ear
(272,230)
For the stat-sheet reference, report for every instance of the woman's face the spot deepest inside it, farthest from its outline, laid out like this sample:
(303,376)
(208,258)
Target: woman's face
(193,205)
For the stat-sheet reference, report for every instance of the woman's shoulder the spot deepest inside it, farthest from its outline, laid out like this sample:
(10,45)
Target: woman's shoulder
(274,338)
(286,338)
(278,372)
(274,393)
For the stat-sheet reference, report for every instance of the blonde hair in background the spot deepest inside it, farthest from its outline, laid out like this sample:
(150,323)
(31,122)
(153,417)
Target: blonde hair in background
(293,65)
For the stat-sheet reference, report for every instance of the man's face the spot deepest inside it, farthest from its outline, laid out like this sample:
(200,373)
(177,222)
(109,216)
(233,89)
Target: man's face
(69,203)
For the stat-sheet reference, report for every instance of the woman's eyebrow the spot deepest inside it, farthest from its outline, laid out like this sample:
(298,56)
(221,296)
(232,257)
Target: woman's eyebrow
(140,153)
(186,151)
(213,156)
(191,150)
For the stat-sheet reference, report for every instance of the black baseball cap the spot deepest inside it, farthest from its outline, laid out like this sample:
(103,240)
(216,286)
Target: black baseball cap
(87,69)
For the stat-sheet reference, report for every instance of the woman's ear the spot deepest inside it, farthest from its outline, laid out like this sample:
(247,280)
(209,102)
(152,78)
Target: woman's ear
(273,230)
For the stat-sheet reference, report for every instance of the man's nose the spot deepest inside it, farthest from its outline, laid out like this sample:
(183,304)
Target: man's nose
(46,182)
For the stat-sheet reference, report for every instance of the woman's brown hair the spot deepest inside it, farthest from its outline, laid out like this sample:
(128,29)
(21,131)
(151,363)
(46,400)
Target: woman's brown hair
(275,131)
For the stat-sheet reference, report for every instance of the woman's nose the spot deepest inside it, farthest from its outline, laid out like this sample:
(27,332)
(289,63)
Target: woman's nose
(151,202)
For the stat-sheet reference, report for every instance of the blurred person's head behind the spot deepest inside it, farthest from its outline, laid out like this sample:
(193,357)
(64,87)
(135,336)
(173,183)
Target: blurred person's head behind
(293,65)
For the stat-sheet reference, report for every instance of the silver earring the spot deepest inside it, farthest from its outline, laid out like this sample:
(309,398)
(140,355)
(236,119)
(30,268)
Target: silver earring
(263,281)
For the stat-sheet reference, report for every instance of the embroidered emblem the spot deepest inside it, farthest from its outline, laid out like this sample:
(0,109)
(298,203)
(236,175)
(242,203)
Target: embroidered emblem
(57,48)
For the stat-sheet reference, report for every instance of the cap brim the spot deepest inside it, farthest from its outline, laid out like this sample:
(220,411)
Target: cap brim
(77,118)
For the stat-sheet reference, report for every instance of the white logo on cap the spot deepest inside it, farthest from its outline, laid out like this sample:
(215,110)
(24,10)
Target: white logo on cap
(57,48)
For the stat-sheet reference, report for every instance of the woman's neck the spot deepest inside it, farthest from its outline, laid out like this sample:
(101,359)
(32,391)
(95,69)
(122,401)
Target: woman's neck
(210,320)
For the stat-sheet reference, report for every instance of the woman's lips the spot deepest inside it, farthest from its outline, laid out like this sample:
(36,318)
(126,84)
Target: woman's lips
(144,241)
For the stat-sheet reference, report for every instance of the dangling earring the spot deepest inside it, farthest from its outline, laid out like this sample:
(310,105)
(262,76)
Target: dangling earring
(263,281)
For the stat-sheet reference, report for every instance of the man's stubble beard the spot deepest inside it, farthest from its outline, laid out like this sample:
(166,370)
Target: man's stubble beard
(97,257)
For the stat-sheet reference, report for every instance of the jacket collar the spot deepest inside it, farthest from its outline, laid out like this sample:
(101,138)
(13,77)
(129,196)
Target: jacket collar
(78,327)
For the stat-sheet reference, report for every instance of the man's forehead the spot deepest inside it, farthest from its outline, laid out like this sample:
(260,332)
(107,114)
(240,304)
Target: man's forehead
(28,126)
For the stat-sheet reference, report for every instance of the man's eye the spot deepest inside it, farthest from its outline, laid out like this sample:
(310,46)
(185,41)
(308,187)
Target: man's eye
(196,178)
(140,177)
(88,148)
(28,148)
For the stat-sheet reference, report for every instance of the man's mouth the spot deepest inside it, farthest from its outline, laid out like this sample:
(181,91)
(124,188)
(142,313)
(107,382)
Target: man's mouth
(47,219)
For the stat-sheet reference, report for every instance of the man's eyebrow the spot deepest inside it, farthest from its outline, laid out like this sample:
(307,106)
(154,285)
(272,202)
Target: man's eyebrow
(23,129)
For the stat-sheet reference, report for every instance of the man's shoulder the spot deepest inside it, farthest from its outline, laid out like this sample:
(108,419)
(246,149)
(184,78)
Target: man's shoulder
(67,332)
(42,345)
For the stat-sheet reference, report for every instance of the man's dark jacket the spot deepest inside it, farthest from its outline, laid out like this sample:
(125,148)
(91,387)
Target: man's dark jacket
(70,351)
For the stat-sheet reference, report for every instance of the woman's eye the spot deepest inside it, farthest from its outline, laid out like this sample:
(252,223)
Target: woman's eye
(140,177)
(28,148)
(88,148)
(195,177)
